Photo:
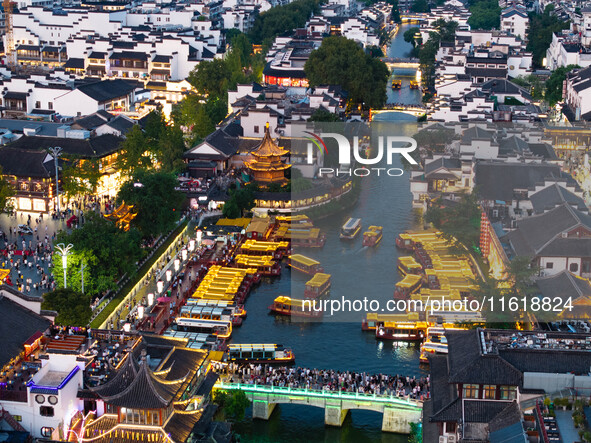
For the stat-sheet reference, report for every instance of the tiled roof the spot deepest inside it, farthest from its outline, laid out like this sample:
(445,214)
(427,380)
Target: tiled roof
(24,162)
(107,89)
(555,195)
(17,325)
(541,234)
(94,147)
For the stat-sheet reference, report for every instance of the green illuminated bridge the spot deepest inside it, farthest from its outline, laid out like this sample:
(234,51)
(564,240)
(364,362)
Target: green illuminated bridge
(398,413)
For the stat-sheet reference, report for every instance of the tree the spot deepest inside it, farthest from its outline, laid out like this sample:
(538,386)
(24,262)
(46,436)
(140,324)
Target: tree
(342,61)
(282,19)
(73,307)
(230,209)
(412,35)
(233,403)
(541,28)
(427,55)
(536,87)
(519,276)
(446,29)
(80,177)
(153,195)
(240,200)
(420,6)
(555,82)
(459,223)
(6,194)
(395,15)
(485,14)
(134,152)
(322,115)
(171,147)
(434,140)
(210,78)
(107,251)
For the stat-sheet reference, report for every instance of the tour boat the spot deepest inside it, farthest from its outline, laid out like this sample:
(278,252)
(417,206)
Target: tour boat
(373,236)
(350,229)
(410,284)
(396,84)
(318,286)
(400,331)
(267,353)
(284,305)
(408,265)
(237,310)
(304,264)
(374,320)
(414,84)
(206,312)
(220,328)
(264,264)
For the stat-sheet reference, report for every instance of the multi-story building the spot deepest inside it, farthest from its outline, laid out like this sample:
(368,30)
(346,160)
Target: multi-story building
(489,376)
(515,21)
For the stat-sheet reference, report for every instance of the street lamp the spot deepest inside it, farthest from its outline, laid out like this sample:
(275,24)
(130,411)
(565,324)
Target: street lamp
(82,268)
(56,152)
(168,275)
(64,251)
(150,299)
(177,264)
(184,254)
(160,286)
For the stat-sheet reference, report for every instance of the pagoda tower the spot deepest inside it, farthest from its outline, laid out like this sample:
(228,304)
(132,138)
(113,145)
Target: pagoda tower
(267,165)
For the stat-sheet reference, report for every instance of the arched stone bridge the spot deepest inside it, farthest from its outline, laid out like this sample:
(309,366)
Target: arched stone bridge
(398,413)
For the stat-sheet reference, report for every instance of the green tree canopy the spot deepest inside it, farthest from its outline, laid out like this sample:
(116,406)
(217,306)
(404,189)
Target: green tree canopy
(555,82)
(240,200)
(541,28)
(153,195)
(107,251)
(434,140)
(485,14)
(420,6)
(460,222)
(73,307)
(446,29)
(79,177)
(211,78)
(282,19)
(322,115)
(6,194)
(411,35)
(233,404)
(134,152)
(341,61)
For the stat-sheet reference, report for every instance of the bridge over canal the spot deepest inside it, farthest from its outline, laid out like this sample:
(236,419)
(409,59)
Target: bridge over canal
(401,63)
(398,413)
(415,110)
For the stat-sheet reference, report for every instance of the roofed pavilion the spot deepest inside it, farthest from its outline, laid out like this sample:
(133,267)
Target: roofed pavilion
(267,165)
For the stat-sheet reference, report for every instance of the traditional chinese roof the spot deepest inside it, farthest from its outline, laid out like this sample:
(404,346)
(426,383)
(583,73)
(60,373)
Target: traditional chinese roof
(122,216)
(268,148)
(145,390)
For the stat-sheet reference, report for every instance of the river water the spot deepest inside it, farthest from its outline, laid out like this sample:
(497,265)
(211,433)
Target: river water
(384,201)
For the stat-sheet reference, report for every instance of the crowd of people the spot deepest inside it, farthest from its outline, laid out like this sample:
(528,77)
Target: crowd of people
(330,380)
(28,256)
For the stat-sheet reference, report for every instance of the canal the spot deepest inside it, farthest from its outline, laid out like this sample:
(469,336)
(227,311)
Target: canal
(338,342)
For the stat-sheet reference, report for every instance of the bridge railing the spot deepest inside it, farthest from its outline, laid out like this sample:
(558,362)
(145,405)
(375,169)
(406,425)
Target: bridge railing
(342,395)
